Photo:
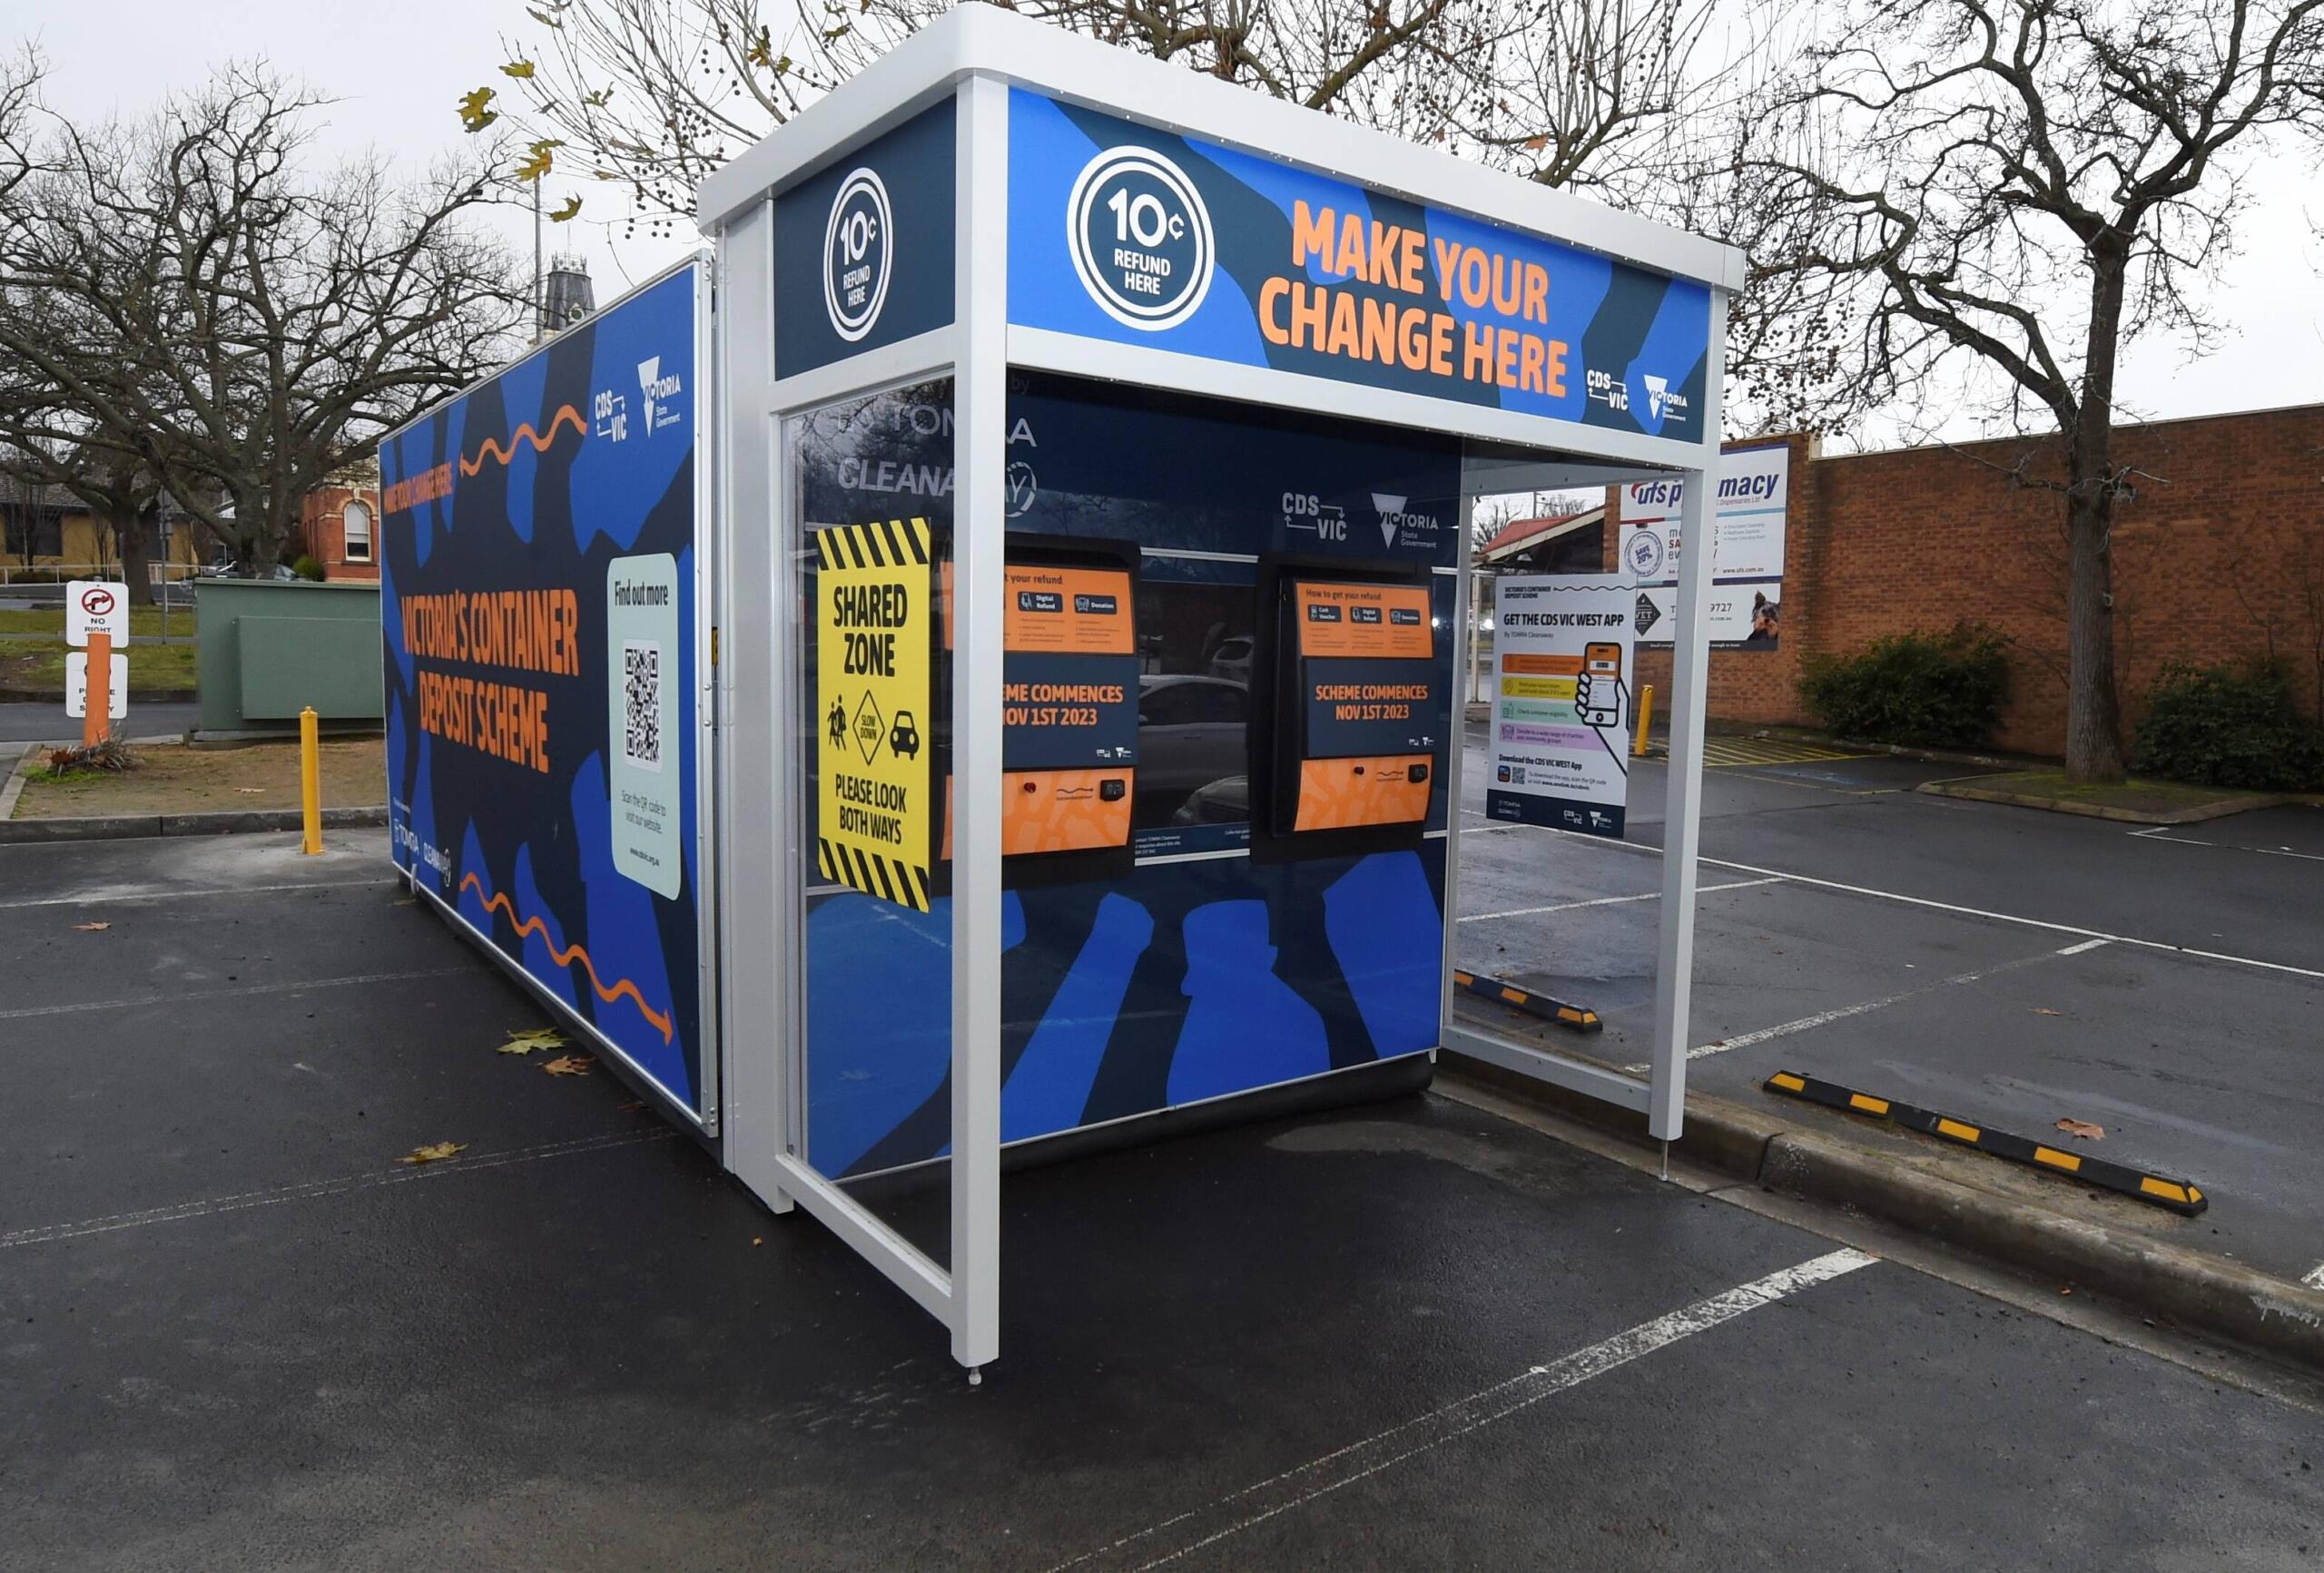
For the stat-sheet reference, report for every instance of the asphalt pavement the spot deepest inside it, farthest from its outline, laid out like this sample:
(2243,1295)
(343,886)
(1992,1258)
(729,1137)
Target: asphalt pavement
(32,723)
(2007,966)
(1412,1334)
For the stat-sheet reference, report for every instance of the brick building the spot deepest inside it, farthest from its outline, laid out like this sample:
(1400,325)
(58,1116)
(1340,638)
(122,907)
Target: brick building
(339,528)
(2219,553)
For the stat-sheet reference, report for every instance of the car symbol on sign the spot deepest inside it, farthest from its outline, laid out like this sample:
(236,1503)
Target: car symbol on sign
(903,737)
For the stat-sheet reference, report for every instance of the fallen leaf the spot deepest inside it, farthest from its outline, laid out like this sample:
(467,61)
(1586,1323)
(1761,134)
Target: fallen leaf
(2082,1128)
(758,1240)
(92,927)
(434,1153)
(2043,1011)
(531,1039)
(569,1065)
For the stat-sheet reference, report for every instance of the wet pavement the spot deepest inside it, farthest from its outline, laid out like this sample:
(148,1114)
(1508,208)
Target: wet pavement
(2003,965)
(1411,1335)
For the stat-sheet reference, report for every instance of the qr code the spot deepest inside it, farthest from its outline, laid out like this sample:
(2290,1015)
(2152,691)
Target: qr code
(641,708)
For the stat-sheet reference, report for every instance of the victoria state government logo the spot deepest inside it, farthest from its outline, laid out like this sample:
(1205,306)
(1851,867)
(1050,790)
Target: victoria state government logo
(1140,238)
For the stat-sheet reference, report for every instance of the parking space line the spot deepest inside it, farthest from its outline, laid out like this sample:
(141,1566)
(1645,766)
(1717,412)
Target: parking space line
(1806,1023)
(2164,945)
(1610,900)
(1319,1476)
(212,890)
(313,1188)
(2156,834)
(25,1012)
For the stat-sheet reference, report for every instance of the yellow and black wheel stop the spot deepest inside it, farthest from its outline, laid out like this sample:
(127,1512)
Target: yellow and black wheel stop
(2181,1196)
(1579,1018)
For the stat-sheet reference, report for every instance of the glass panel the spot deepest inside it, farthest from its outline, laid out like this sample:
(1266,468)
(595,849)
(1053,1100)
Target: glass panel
(870,501)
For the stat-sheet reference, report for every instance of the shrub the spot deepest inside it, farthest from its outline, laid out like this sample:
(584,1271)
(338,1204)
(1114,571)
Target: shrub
(2234,725)
(306,568)
(1938,690)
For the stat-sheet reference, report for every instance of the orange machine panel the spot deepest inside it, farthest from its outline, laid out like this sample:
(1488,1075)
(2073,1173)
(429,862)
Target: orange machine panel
(1337,794)
(1064,811)
(1374,620)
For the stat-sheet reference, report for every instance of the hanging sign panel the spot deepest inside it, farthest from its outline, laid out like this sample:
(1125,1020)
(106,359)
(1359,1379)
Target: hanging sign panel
(875,645)
(1562,690)
(1745,607)
(1123,232)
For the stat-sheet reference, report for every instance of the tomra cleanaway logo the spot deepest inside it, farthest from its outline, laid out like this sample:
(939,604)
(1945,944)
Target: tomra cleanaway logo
(656,387)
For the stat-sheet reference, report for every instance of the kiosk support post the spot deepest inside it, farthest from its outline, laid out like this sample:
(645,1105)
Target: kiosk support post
(981,505)
(1682,831)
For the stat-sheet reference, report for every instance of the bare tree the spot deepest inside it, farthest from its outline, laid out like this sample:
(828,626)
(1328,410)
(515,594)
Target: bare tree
(2017,189)
(180,295)
(653,95)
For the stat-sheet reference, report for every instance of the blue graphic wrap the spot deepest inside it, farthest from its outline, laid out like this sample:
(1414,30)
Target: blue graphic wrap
(507,509)
(1311,274)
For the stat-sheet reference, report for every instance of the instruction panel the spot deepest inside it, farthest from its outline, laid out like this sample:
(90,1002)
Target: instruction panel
(1563,680)
(1068,709)
(874,660)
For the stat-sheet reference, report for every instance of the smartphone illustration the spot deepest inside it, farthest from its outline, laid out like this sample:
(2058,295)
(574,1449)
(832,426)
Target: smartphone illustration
(1599,696)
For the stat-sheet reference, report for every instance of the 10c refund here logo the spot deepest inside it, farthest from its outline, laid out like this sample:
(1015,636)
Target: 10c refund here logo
(1140,238)
(858,254)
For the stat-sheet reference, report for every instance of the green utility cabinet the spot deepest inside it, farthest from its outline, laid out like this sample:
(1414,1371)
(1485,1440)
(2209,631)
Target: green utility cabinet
(269,648)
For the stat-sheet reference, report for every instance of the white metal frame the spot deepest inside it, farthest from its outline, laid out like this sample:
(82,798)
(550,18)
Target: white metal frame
(974,54)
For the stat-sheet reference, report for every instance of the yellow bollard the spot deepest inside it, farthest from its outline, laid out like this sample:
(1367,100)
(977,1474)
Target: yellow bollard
(311,785)
(1645,721)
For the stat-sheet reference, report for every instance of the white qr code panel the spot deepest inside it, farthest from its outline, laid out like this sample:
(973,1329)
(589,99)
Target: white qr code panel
(641,709)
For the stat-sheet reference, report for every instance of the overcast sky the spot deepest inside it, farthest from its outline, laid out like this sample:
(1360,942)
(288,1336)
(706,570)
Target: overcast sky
(398,70)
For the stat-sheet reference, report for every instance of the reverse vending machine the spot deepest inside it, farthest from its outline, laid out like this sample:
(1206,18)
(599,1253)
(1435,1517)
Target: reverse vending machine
(996,677)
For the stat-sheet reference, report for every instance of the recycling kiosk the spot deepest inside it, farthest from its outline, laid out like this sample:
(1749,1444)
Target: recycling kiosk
(1026,691)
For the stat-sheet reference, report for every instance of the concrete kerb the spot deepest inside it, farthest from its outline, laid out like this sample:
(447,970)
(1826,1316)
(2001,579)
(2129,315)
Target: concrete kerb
(1967,787)
(18,774)
(133,827)
(2196,1291)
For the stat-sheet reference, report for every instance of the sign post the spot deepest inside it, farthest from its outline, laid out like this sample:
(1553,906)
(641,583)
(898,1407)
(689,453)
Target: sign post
(96,682)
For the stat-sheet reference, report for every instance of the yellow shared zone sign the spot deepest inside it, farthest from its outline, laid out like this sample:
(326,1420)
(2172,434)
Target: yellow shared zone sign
(875,645)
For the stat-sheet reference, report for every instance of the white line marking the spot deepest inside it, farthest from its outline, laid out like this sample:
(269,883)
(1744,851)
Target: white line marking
(313,1188)
(1345,1466)
(2156,835)
(175,895)
(1612,901)
(181,996)
(2315,1280)
(1785,1029)
(2162,944)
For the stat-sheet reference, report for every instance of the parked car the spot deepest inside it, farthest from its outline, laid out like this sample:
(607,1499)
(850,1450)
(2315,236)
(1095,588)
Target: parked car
(1191,733)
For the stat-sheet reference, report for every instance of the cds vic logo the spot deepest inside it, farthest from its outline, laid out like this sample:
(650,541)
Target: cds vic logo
(858,254)
(1140,238)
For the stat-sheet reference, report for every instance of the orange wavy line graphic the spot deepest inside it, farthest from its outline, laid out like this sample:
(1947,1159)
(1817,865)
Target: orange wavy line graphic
(525,926)
(565,412)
